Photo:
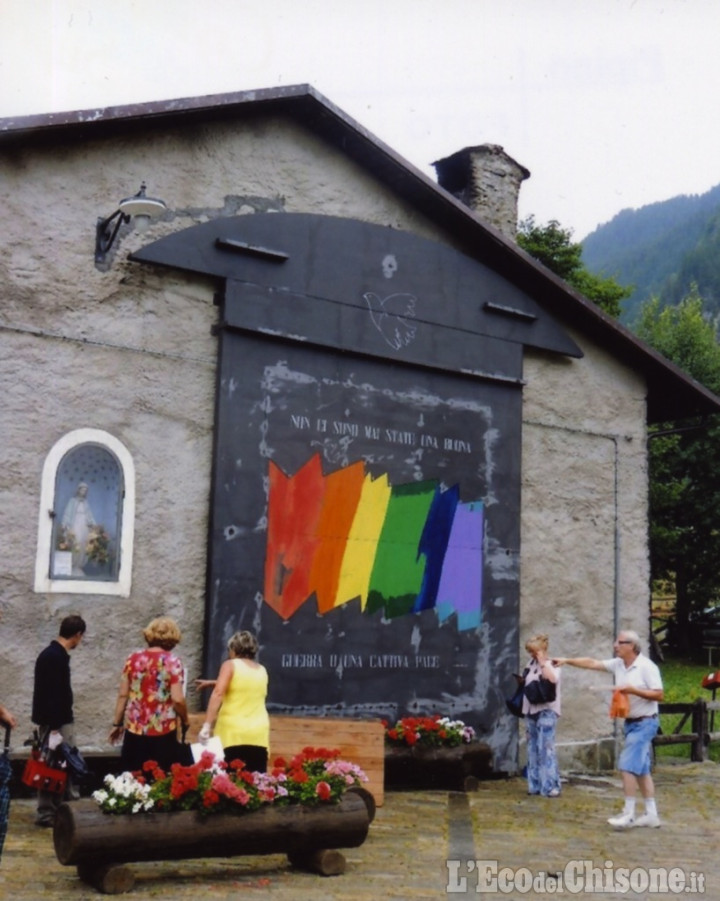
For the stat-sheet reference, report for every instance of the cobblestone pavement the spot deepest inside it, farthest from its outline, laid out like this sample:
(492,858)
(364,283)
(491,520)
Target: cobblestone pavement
(415,833)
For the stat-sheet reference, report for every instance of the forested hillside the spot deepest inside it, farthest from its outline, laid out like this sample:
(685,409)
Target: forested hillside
(661,249)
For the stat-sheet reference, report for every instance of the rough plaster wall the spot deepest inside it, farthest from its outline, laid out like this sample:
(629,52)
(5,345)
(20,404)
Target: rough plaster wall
(129,350)
(155,404)
(584,490)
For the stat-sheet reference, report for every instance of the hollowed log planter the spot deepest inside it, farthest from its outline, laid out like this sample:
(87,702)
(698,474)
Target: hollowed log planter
(98,843)
(447,769)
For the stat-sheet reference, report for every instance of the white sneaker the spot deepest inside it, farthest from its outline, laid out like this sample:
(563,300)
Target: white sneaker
(652,820)
(622,821)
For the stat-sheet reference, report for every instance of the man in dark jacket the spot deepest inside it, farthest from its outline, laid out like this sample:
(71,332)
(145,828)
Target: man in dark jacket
(52,706)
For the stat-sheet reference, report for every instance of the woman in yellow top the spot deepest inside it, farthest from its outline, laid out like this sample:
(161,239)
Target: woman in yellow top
(236,708)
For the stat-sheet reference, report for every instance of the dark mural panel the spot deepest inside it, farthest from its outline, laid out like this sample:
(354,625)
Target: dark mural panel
(365,515)
(366,525)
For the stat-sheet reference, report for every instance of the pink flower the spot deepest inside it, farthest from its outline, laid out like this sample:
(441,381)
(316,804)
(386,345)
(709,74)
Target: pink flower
(242,797)
(223,785)
(207,759)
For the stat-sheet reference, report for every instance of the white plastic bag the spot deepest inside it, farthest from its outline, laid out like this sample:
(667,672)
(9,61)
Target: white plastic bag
(214,745)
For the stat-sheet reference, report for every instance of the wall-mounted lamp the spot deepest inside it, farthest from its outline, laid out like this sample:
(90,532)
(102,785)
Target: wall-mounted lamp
(140,209)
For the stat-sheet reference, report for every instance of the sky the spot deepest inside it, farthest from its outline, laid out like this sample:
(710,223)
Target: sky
(611,104)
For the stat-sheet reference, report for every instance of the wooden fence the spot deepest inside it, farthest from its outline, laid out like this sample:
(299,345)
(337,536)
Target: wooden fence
(701,717)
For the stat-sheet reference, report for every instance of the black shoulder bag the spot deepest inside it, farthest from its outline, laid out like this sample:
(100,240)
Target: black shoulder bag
(515,702)
(540,691)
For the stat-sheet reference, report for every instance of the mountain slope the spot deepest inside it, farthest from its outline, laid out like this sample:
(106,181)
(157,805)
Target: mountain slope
(655,248)
(700,265)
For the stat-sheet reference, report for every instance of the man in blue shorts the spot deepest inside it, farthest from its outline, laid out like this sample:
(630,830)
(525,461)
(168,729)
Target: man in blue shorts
(639,678)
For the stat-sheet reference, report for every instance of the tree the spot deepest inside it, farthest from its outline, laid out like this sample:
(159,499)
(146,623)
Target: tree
(552,245)
(684,462)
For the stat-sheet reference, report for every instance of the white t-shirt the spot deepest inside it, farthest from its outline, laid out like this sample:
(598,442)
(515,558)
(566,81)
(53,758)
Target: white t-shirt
(641,673)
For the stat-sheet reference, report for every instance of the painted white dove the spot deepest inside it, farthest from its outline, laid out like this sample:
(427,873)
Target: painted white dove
(390,317)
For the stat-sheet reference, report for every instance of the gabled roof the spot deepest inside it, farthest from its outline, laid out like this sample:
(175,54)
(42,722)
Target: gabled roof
(671,393)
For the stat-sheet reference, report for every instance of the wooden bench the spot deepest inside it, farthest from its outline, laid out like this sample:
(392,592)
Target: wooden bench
(359,741)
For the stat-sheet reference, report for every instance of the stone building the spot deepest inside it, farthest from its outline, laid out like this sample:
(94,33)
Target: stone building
(318,397)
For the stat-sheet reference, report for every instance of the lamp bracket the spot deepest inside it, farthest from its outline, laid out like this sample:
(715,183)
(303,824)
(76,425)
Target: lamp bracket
(106,232)
(107,228)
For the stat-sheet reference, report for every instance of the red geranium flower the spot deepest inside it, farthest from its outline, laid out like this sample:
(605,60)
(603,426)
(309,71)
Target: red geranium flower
(323,791)
(429,731)
(314,776)
(210,798)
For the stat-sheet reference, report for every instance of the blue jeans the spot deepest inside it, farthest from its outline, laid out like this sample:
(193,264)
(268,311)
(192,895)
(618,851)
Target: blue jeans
(636,755)
(542,769)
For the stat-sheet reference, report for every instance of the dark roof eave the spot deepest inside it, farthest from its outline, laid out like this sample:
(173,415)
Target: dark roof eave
(672,395)
(99,121)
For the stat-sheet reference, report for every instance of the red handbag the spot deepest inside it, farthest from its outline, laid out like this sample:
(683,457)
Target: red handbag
(40,775)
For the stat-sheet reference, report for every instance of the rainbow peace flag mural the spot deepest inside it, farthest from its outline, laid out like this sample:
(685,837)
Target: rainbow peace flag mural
(399,548)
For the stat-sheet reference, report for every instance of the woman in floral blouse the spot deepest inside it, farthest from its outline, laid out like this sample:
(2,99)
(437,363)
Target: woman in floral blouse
(150,701)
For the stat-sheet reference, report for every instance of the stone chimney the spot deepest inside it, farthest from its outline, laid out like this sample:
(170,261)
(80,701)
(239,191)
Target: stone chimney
(487,180)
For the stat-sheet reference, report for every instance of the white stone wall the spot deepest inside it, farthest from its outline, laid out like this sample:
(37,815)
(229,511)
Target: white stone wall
(129,350)
(585,565)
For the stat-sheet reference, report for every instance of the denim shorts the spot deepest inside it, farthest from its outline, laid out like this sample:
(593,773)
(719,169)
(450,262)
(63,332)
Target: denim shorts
(636,755)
